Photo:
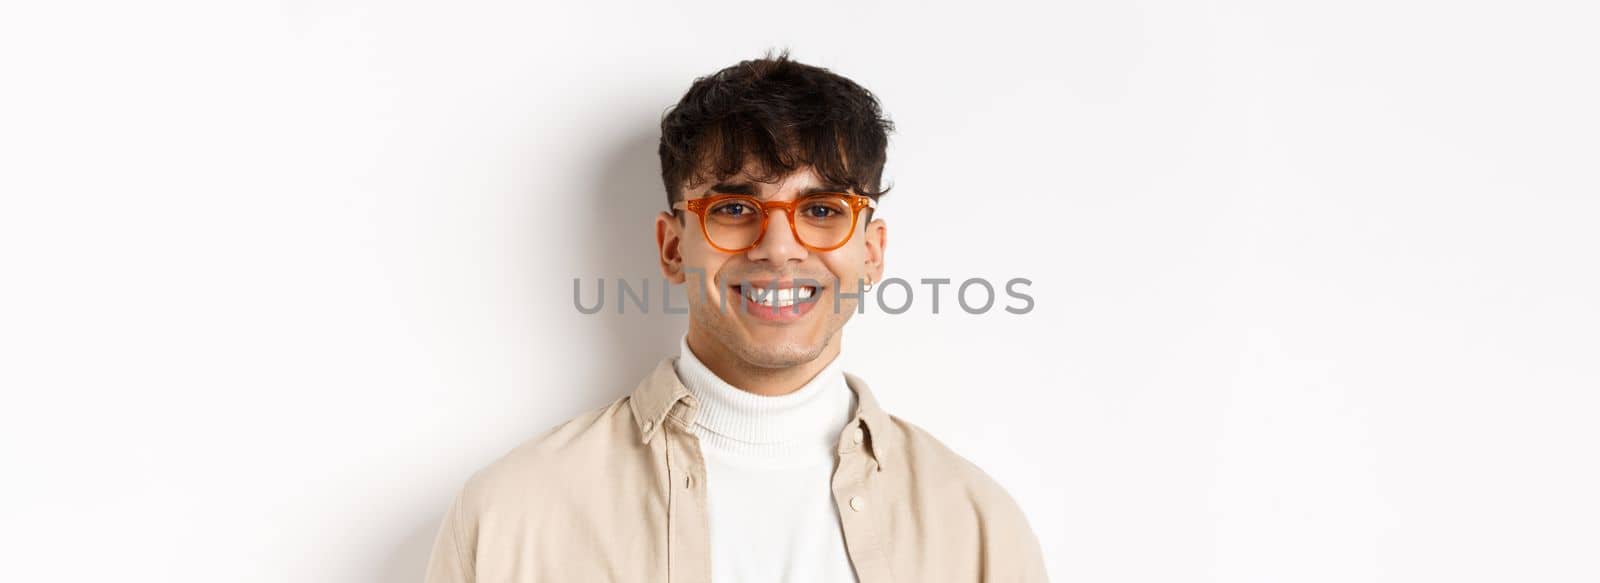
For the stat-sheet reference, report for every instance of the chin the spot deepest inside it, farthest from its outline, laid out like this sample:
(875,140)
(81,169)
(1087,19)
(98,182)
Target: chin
(783,351)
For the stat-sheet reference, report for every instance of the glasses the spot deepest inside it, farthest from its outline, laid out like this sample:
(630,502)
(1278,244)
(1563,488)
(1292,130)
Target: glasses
(735,223)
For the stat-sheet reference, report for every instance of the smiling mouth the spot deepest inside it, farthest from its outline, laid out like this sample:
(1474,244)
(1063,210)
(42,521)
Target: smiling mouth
(777,297)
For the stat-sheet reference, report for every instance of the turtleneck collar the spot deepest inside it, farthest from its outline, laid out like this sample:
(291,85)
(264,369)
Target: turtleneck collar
(802,423)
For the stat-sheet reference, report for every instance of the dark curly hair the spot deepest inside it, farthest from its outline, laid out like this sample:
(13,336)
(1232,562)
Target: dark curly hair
(778,114)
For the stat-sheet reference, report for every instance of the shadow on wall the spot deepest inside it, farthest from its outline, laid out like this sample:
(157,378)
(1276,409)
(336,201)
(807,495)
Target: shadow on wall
(616,240)
(620,244)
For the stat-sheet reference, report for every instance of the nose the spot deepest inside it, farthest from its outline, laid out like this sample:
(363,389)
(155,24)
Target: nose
(778,245)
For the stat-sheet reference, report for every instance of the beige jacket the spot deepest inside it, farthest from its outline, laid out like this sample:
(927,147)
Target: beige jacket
(618,495)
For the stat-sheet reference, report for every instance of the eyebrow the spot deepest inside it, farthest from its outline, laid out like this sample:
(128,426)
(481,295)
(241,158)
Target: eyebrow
(740,187)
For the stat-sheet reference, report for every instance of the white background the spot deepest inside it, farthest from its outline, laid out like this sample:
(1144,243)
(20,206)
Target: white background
(1316,282)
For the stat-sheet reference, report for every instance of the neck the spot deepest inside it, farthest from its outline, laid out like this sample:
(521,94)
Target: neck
(767,381)
(800,427)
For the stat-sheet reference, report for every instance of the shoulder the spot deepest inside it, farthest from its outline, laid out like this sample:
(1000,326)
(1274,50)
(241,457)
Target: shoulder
(930,463)
(558,461)
(956,506)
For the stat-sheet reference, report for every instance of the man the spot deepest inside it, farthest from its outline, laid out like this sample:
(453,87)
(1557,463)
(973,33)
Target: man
(750,456)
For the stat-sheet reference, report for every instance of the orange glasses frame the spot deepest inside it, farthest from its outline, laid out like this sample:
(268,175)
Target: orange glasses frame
(698,207)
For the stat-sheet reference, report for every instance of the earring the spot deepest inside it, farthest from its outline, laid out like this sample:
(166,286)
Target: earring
(868,286)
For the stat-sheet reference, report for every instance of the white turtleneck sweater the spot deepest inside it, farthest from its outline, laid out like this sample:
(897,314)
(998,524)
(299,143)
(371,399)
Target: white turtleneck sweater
(769,472)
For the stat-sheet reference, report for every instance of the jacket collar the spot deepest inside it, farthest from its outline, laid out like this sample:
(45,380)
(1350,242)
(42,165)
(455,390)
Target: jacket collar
(661,398)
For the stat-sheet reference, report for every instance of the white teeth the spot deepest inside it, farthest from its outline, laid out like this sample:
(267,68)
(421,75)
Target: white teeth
(777,298)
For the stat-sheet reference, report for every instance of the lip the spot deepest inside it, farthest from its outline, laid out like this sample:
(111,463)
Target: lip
(775,283)
(778,314)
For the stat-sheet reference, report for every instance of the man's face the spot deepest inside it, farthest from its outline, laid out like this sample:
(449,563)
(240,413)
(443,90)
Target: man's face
(721,311)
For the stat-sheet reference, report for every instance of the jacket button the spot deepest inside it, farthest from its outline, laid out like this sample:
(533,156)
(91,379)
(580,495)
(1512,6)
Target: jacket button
(856,436)
(648,425)
(857,503)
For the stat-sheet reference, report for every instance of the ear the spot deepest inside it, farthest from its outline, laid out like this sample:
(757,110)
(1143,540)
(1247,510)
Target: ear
(877,236)
(669,233)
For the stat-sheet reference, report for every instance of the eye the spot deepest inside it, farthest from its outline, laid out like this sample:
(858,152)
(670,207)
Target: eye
(822,209)
(733,209)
